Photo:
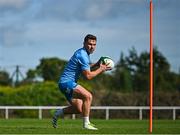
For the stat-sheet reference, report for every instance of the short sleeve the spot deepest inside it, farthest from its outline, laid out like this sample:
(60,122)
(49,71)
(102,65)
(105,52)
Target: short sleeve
(84,61)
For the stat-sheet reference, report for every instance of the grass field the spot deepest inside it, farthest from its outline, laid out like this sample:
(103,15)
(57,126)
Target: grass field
(68,126)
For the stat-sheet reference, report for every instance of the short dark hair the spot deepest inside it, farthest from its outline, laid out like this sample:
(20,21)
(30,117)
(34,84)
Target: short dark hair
(89,36)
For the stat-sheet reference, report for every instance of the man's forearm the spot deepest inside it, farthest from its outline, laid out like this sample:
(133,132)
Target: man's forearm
(91,74)
(94,66)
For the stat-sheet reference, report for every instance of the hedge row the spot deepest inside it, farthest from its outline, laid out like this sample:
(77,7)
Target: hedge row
(38,94)
(48,94)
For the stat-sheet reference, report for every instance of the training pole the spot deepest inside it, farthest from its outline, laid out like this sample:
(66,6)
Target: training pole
(151,69)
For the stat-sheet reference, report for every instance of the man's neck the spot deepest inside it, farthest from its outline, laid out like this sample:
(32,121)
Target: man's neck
(86,50)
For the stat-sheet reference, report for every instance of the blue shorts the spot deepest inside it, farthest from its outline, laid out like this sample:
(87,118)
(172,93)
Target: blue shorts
(67,89)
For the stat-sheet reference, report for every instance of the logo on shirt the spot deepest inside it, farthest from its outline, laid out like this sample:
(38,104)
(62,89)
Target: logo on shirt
(68,91)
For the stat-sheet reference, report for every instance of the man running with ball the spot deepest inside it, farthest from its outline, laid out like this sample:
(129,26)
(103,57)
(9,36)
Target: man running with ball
(80,98)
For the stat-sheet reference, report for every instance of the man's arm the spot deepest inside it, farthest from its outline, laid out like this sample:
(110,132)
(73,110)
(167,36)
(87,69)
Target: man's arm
(91,74)
(94,66)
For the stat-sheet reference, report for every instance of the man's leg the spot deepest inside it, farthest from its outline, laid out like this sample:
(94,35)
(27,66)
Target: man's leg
(81,93)
(74,108)
(86,97)
(80,103)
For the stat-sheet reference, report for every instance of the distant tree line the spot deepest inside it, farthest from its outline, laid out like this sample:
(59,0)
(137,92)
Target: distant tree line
(126,85)
(131,73)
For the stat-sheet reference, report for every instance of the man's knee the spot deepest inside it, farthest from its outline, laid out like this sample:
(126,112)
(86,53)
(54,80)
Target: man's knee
(82,93)
(88,96)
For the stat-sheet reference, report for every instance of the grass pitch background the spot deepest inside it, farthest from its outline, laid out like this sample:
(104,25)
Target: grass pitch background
(68,126)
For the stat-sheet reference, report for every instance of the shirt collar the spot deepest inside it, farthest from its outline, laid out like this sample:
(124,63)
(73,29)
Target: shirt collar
(86,50)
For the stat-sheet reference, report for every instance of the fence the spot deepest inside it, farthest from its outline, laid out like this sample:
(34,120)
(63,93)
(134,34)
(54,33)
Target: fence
(106,108)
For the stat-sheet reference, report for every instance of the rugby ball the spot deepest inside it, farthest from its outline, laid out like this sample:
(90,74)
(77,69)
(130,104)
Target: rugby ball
(107,61)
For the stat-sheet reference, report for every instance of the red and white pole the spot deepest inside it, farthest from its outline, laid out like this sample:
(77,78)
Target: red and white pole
(151,69)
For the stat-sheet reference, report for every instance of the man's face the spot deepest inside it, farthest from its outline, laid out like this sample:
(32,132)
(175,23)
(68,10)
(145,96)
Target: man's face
(90,46)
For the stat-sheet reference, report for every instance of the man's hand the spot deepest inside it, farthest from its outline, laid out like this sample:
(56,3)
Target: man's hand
(104,67)
(100,61)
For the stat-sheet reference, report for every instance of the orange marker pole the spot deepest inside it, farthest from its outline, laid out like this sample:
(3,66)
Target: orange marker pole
(151,69)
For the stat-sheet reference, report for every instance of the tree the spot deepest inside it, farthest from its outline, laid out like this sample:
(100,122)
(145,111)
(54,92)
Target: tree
(132,60)
(121,76)
(132,72)
(162,72)
(4,78)
(50,68)
(31,76)
(141,75)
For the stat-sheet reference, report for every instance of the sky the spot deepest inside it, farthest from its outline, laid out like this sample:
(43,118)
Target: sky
(35,29)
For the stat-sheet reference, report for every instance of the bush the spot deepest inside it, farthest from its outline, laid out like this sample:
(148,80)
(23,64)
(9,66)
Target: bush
(38,94)
(48,94)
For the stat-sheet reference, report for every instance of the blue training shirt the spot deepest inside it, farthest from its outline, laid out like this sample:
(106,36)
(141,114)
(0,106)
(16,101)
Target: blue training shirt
(79,61)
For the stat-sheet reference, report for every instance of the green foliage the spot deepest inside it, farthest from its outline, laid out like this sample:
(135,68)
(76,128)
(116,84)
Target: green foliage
(168,98)
(122,79)
(37,94)
(4,78)
(141,75)
(131,73)
(102,81)
(31,74)
(50,68)
(46,93)
(161,98)
(85,84)
(127,84)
